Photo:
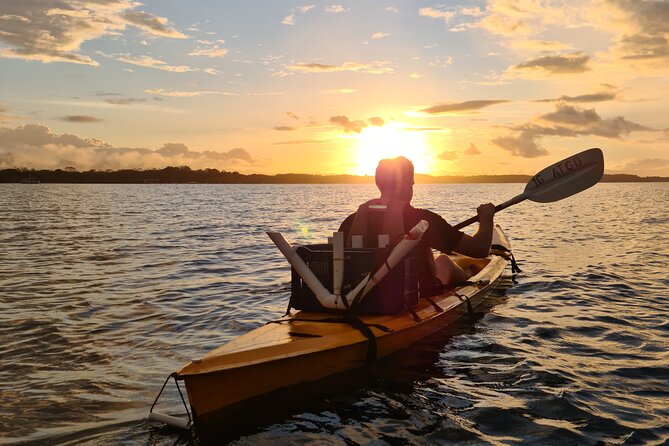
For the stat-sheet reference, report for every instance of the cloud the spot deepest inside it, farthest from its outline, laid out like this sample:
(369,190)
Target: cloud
(335,9)
(284,128)
(441,61)
(372,68)
(592,97)
(347,125)
(150,62)
(301,141)
(196,93)
(425,129)
(341,91)
(124,101)
(566,121)
(376,121)
(436,14)
(213,51)
(539,45)
(158,26)
(54,30)
(644,47)
(472,150)
(392,9)
(556,65)
(643,29)
(523,144)
(289,20)
(170,149)
(471,11)
(36,146)
(516,19)
(80,119)
(292,115)
(448,155)
(588,122)
(377,36)
(455,108)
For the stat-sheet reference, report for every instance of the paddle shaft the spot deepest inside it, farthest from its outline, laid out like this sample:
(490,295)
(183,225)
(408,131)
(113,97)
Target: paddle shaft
(515,200)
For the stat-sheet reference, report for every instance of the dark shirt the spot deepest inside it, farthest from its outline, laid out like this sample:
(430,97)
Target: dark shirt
(439,235)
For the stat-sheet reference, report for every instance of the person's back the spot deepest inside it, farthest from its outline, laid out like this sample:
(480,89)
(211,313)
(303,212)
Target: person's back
(392,214)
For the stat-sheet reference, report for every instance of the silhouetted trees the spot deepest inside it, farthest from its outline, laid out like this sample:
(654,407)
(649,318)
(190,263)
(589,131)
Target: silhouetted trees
(185,174)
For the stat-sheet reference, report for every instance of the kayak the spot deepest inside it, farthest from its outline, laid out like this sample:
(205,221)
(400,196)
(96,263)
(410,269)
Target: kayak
(307,346)
(301,347)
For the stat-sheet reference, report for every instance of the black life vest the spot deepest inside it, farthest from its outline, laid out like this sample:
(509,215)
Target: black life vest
(377,217)
(386,216)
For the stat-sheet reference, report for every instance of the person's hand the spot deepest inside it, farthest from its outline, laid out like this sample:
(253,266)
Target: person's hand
(486,212)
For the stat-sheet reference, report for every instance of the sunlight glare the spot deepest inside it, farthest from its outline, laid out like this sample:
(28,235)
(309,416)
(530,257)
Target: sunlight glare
(393,139)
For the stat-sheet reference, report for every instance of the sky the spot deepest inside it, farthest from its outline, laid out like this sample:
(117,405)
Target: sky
(278,86)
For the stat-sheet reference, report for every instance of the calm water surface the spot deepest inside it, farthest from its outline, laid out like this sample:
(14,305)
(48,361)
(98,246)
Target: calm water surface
(106,289)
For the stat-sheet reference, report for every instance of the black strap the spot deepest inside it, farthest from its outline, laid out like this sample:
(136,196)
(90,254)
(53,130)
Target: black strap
(470,309)
(354,322)
(436,307)
(505,253)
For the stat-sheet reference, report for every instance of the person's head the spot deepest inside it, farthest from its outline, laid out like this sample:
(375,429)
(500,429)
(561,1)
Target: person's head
(394,178)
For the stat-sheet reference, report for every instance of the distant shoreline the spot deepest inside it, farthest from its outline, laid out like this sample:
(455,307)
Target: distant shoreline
(185,175)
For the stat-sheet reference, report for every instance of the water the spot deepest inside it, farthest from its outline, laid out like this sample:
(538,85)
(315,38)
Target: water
(106,289)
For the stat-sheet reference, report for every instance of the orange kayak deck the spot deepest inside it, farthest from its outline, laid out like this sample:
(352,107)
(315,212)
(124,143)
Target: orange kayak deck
(307,346)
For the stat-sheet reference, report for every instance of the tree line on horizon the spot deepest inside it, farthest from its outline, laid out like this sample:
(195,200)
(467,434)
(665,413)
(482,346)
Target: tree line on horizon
(185,175)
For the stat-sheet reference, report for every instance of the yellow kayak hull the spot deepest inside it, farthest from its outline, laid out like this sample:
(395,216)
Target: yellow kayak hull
(298,348)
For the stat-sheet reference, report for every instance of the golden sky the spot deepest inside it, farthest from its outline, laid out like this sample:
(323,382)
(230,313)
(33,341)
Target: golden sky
(474,87)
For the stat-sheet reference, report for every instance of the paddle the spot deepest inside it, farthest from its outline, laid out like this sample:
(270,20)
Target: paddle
(560,180)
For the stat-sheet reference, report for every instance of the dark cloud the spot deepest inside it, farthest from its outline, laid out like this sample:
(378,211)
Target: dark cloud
(461,106)
(472,150)
(107,93)
(566,121)
(523,144)
(81,119)
(376,121)
(347,125)
(448,155)
(651,16)
(292,115)
(560,64)
(38,135)
(284,128)
(593,97)
(644,46)
(34,145)
(124,101)
(588,122)
(650,20)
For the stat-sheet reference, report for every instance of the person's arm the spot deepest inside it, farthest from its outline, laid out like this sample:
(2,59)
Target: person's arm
(478,245)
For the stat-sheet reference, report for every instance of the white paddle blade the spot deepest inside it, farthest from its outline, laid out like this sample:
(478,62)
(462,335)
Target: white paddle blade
(567,177)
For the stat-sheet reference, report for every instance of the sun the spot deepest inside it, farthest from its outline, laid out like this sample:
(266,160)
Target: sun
(374,143)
